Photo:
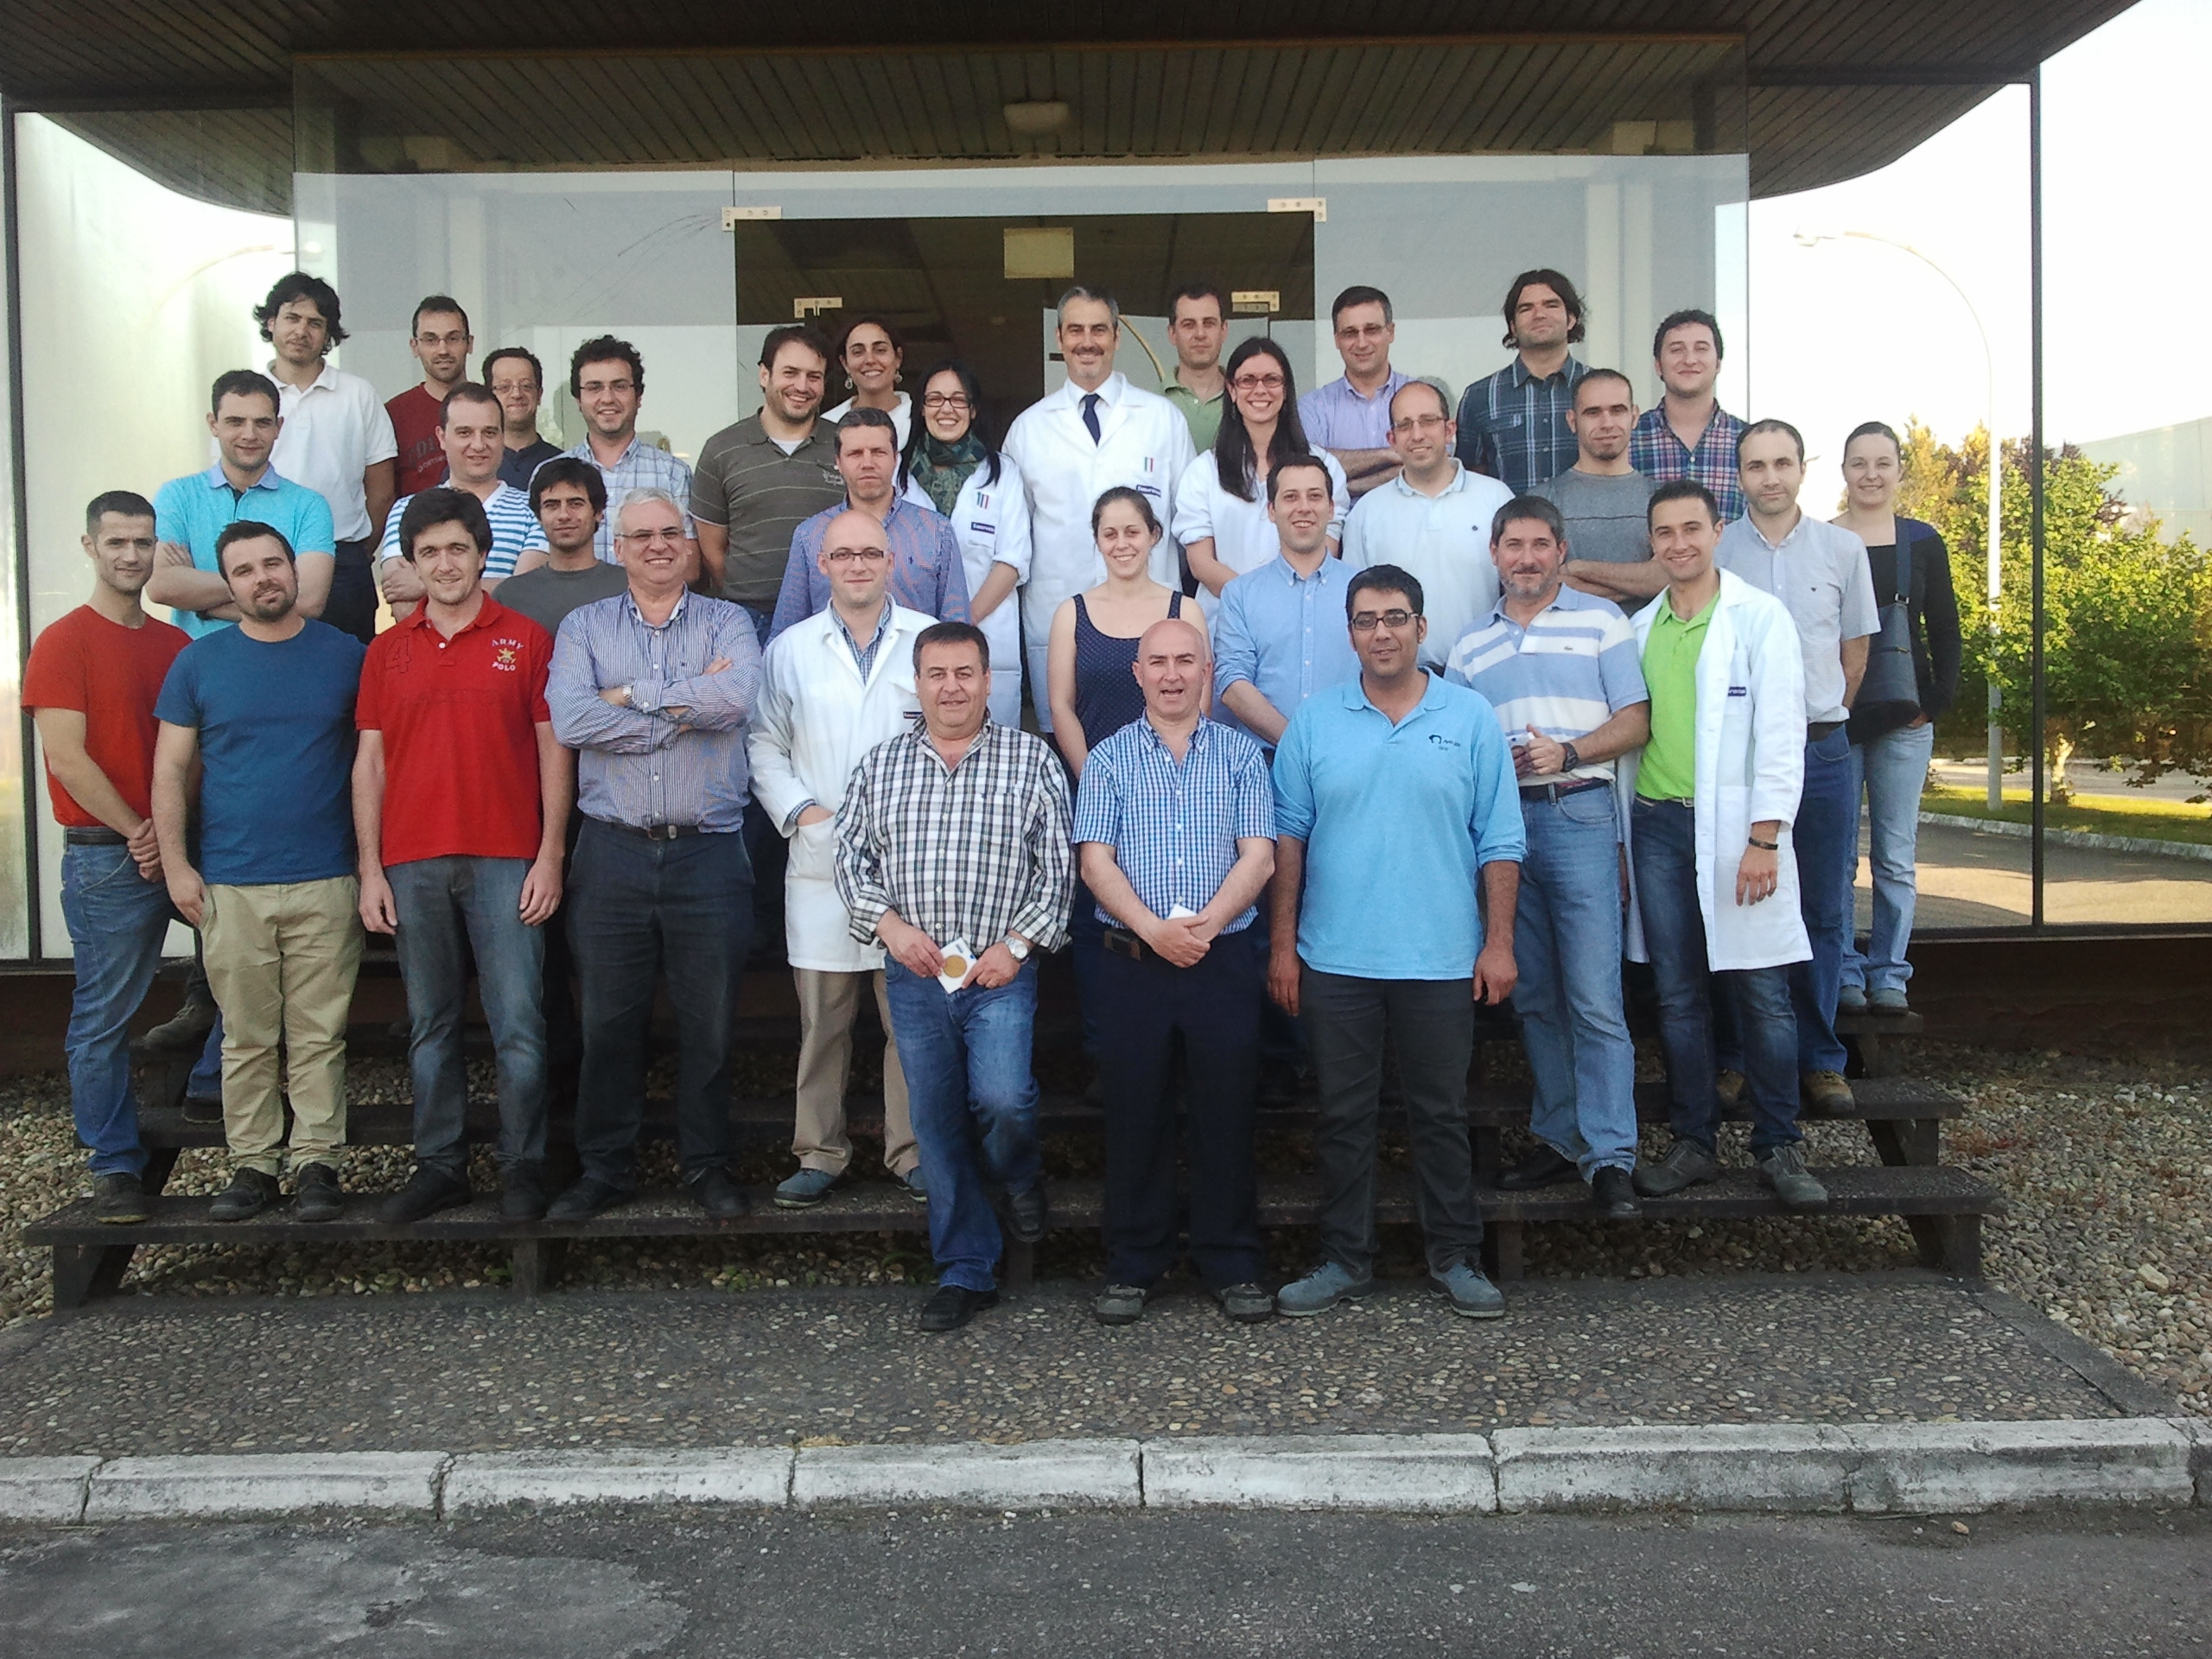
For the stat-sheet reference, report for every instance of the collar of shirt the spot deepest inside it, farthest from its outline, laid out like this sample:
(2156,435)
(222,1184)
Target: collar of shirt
(1519,370)
(1667,618)
(630,599)
(759,435)
(1393,382)
(1109,392)
(1796,530)
(489,614)
(1176,391)
(1458,484)
(1328,567)
(584,452)
(1199,742)
(218,480)
(326,380)
(882,627)
(1354,693)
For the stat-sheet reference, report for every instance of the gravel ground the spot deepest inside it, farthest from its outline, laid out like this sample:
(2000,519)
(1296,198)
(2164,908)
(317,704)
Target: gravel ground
(2100,1161)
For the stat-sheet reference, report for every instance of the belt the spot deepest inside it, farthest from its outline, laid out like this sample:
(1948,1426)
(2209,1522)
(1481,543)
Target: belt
(1553,791)
(1817,730)
(654,831)
(88,835)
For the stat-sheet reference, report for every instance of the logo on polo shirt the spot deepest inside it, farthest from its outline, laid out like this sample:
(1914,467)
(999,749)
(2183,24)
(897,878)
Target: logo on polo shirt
(506,655)
(1440,741)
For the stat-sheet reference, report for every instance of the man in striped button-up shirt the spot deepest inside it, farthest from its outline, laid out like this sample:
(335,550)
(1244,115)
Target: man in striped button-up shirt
(653,689)
(1513,425)
(953,851)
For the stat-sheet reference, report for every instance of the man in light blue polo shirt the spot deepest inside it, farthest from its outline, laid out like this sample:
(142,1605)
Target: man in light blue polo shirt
(190,512)
(1281,636)
(1560,667)
(1395,808)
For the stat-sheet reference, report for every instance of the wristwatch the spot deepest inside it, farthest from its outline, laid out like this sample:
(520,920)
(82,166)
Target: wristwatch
(1017,947)
(1570,757)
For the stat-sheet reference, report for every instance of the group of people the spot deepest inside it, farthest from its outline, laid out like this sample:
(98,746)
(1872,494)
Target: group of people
(1352,710)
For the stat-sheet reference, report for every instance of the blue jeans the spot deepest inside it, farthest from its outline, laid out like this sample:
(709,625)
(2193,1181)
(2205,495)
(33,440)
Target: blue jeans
(448,907)
(1665,850)
(973,1099)
(638,909)
(1891,771)
(117,922)
(1566,941)
(1826,835)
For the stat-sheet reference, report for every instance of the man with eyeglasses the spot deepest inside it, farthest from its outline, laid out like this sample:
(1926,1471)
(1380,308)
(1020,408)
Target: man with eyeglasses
(441,342)
(1397,865)
(836,684)
(607,377)
(1351,415)
(653,690)
(927,573)
(517,380)
(1433,519)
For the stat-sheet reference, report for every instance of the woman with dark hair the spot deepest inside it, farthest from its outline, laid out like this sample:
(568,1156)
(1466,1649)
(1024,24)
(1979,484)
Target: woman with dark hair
(871,351)
(1912,677)
(1221,501)
(952,468)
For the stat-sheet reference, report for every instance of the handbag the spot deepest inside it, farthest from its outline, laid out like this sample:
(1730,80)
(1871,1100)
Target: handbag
(1889,695)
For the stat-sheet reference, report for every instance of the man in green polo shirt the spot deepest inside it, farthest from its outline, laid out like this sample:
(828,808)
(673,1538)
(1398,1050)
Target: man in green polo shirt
(1198,328)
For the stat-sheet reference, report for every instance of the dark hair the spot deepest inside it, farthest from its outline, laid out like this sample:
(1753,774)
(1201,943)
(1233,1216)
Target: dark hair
(126,504)
(953,634)
(1197,291)
(439,506)
(973,390)
(1544,278)
(800,333)
(244,382)
(439,305)
(1383,579)
(468,392)
(1233,461)
(1603,374)
(1682,320)
(248,530)
(536,368)
(1289,462)
(605,349)
(1360,294)
(298,285)
(569,469)
(859,420)
(1544,512)
(1758,427)
(890,332)
(1123,493)
(1681,489)
(1874,430)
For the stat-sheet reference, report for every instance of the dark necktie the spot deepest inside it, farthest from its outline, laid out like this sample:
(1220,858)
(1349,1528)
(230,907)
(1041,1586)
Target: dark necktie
(1091,414)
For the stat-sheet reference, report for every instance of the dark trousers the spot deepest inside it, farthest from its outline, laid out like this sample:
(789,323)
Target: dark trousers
(351,606)
(1215,1004)
(638,909)
(1430,1025)
(564,1041)
(765,847)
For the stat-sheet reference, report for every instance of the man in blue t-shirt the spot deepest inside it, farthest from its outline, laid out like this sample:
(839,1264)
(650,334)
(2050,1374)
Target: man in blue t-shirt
(267,710)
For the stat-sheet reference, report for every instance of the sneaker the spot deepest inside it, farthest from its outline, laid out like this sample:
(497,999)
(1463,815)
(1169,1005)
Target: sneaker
(588,1198)
(522,1194)
(807,1188)
(1827,1094)
(1888,999)
(119,1197)
(1472,1295)
(1119,1304)
(314,1193)
(1851,999)
(718,1194)
(914,1186)
(953,1306)
(1783,1169)
(428,1191)
(181,1036)
(1613,1191)
(1026,1213)
(1246,1303)
(1321,1290)
(1728,1089)
(249,1193)
(1685,1166)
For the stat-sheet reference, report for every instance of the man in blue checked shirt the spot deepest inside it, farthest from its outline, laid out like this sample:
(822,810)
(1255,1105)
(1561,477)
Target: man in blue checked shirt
(1174,823)
(1396,814)
(1561,669)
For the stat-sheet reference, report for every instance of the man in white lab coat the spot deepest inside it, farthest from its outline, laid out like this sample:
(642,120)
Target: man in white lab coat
(835,685)
(1071,447)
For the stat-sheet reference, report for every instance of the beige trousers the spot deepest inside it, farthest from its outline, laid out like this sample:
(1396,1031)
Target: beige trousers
(281,961)
(827,1006)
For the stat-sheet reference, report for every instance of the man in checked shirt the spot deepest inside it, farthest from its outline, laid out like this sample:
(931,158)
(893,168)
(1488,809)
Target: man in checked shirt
(953,852)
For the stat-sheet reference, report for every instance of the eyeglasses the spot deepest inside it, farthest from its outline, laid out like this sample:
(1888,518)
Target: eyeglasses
(847,555)
(1371,331)
(590,387)
(1258,383)
(1419,423)
(456,338)
(945,400)
(650,537)
(1365,622)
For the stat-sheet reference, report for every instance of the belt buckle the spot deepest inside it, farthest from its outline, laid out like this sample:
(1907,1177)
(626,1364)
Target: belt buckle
(660,832)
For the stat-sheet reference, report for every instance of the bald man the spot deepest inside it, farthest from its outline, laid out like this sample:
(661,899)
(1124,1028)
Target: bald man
(1175,825)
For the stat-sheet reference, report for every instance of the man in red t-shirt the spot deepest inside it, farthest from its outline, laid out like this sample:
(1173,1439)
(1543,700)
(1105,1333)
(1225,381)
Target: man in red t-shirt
(460,810)
(440,339)
(92,682)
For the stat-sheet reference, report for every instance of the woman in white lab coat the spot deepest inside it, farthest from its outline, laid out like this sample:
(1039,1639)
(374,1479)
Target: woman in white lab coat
(952,469)
(1221,501)
(872,352)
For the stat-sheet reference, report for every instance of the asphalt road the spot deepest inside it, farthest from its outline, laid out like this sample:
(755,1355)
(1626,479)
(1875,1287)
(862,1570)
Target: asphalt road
(1970,879)
(904,1586)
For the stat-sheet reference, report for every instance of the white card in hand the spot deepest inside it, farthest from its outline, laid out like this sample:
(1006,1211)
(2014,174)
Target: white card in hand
(1177,913)
(959,962)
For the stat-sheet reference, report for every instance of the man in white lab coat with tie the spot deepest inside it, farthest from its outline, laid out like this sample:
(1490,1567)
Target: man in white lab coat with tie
(1094,433)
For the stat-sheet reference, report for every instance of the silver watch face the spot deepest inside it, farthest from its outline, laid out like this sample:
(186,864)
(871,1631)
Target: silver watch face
(1017,949)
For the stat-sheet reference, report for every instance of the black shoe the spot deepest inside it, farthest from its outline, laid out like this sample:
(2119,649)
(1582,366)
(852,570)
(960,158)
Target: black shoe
(1613,1190)
(522,1195)
(428,1191)
(718,1195)
(181,1036)
(249,1193)
(314,1194)
(1026,1213)
(203,1108)
(1246,1303)
(1542,1167)
(953,1306)
(119,1197)
(1686,1164)
(587,1198)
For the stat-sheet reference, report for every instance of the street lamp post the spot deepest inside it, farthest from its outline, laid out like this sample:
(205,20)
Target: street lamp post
(1812,238)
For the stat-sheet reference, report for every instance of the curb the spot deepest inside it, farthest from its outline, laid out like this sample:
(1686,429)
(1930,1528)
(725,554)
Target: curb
(1862,1469)
(2089,838)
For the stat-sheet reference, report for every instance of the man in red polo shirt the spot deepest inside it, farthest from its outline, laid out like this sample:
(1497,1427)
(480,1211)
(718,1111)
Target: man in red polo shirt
(461,806)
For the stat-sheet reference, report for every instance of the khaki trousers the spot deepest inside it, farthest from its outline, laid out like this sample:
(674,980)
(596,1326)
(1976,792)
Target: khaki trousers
(827,1006)
(281,961)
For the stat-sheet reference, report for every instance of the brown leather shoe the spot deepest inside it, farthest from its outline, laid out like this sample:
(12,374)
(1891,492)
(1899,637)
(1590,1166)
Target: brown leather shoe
(1827,1094)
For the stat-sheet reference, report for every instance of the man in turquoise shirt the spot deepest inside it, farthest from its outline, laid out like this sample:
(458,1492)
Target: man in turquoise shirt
(191,512)
(1394,802)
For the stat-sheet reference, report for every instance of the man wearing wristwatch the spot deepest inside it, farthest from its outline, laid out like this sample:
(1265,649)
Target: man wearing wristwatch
(1714,888)
(1560,667)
